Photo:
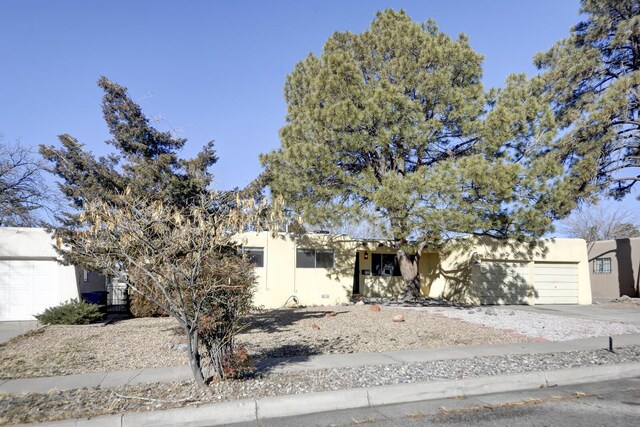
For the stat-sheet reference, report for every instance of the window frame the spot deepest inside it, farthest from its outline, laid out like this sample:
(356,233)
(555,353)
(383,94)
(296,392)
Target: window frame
(315,252)
(381,255)
(599,265)
(248,249)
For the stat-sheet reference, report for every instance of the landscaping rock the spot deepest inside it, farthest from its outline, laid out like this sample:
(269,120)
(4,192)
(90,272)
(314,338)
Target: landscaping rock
(398,318)
(471,312)
(491,312)
(316,327)
(360,303)
(330,314)
(512,313)
(374,308)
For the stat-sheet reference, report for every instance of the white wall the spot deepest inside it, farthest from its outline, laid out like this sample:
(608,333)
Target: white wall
(34,245)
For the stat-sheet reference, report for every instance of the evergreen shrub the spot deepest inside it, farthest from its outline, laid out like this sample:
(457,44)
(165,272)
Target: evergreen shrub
(71,312)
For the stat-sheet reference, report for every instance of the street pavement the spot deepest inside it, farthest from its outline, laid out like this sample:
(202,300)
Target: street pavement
(606,403)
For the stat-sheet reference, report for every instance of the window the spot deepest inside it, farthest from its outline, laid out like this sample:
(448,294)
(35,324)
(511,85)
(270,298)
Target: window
(255,256)
(602,265)
(314,258)
(85,276)
(384,265)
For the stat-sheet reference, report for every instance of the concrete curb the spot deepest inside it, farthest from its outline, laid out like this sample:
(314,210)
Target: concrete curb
(247,410)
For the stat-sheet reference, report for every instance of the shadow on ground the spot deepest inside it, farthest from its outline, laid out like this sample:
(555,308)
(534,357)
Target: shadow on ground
(279,319)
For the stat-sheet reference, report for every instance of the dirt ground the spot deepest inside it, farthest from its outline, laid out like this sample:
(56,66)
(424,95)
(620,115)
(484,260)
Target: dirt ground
(152,342)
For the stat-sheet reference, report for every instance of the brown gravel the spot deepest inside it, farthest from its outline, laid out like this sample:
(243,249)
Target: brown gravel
(143,343)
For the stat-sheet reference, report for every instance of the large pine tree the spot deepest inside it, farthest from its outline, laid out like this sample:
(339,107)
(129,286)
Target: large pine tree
(593,80)
(394,123)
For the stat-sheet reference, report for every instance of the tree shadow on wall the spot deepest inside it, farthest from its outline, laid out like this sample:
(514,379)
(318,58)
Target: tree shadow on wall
(500,276)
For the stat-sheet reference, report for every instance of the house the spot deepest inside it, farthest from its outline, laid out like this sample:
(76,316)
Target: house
(327,269)
(614,265)
(32,279)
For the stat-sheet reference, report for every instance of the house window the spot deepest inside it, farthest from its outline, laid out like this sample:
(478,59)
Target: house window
(255,256)
(314,258)
(384,265)
(85,276)
(602,265)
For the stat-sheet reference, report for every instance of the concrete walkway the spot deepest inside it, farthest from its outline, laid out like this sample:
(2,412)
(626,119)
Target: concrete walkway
(9,330)
(629,315)
(298,364)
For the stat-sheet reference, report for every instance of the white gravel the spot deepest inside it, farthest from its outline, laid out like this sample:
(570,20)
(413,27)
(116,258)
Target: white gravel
(536,325)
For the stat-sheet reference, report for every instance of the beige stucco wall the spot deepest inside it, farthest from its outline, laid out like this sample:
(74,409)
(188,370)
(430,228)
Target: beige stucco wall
(279,278)
(625,263)
(458,273)
(452,274)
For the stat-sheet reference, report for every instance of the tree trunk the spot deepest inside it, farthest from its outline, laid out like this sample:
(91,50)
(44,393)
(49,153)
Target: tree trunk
(194,357)
(410,275)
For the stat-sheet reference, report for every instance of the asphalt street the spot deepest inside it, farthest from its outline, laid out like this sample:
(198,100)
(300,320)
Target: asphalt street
(610,403)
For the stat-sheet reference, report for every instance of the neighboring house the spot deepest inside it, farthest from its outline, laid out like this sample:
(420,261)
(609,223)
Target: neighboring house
(614,266)
(32,279)
(329,269)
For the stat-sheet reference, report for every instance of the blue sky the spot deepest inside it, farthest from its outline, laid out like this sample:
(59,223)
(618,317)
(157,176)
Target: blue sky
(215,70)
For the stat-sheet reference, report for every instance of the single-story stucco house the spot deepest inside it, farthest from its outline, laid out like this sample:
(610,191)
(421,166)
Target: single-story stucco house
(322,269)
(32,279)
(614,267)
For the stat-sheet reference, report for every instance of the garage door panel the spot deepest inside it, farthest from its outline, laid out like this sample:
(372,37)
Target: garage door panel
(549,278)
(503,282)
(21,267)
(556,271)
(548,293)
(555,283)
(27,287)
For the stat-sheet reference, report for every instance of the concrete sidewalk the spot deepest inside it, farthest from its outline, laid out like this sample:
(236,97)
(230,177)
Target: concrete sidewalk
(257,410)
(297,364)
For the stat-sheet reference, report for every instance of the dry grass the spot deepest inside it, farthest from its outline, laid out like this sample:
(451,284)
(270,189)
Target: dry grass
(143,343)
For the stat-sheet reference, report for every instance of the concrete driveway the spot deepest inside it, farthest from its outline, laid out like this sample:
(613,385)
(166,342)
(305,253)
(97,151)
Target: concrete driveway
(9,330)
(628,315)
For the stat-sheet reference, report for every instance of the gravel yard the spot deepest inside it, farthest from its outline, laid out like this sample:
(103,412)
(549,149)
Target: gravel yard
(147,343)
(93,402)
(546,326)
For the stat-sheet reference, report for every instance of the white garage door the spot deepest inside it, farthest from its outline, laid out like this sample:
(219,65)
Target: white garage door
(504,282)
(555,283)
(27,288)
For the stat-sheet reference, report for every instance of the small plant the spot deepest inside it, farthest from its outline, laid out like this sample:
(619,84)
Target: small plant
(72,312)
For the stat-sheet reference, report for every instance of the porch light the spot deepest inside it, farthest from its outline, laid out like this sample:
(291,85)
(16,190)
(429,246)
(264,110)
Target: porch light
(366,255)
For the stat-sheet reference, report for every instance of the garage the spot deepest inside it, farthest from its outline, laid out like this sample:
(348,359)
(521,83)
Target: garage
(504,282)
(27,287)
(31,279)
(555,283)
